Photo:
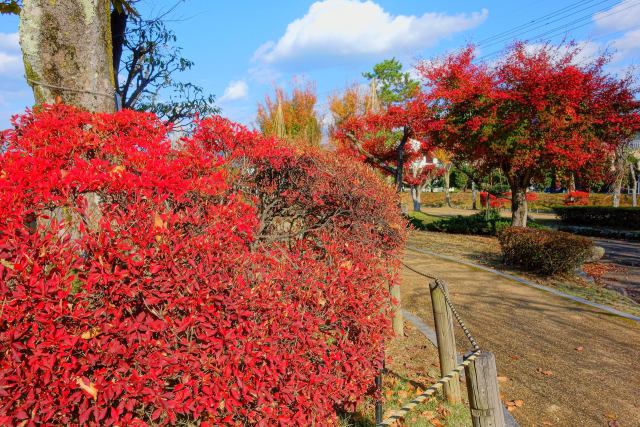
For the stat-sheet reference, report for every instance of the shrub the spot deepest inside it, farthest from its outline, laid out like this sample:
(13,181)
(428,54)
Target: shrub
(232,281)
(576,198)
(600,216)
(481,223)
(545,252)
(494,202)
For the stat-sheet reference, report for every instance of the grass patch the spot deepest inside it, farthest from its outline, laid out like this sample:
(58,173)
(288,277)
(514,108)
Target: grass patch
(412,366)
(399,391)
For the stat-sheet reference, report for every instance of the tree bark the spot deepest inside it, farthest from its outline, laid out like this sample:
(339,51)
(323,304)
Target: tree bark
(620,167)
(447,183)
(474,196)
(67,52)
(118,30)
(572,183)
(416,197)
(634,189)
(400,159)
(518,206)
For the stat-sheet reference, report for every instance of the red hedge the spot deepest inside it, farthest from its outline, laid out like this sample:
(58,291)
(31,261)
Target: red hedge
(576,198)
(233,280)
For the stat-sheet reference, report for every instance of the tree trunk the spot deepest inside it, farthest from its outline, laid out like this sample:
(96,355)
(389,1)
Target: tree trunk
(416,197)
(66,47)
(518,206)
(572,183)
(447,184)
(474,196)
(620,166)
(400,159)
(634,189)
(617,187)
(118,32)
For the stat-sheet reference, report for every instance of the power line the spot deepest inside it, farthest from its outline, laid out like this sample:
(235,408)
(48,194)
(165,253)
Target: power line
(560,30)
(517,34)
(534,21)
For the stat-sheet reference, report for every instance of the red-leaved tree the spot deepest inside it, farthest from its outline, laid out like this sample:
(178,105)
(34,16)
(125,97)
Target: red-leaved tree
(391,140)
(536,109)
(234,280)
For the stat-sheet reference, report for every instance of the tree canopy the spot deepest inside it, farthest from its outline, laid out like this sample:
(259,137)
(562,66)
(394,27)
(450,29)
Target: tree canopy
(536,109)
(394,85)
(291,116)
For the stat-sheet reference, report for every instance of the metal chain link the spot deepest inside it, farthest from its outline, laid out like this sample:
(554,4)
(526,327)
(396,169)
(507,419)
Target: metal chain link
(443,286)
(402,412)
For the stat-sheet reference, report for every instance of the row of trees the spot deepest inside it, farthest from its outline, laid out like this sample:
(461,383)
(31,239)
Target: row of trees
(534,112)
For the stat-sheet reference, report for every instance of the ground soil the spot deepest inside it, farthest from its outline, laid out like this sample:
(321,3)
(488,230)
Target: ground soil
(571,364)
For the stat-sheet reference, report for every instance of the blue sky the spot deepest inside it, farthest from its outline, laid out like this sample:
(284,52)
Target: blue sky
(242,49)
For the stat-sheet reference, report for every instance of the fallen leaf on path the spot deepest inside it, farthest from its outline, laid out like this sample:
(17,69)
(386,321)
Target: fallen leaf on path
(545,373)
(514,357)
(419,391)
(579,348)
(443,411)
(436,422)
(503,379)
(513,404)
(402,394)
(388,394)
(613,418)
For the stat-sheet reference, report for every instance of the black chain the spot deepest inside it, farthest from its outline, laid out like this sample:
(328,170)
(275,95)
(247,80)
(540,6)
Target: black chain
(443,286)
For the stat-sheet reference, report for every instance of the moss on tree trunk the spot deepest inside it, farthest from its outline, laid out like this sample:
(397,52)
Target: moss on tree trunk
(66,47)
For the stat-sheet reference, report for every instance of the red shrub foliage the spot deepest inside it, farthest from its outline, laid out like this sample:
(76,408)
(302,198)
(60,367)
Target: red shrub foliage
(494,202)
(576,198)
(233,280)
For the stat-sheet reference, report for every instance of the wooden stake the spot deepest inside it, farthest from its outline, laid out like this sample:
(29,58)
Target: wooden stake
(484,396)
(443,319)
(398,321)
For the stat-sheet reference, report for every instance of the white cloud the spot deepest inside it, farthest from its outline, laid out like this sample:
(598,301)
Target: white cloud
(235,90)
(623,16)
(344,29)
(10,64)
(10,57)
(626,44)
(9,42)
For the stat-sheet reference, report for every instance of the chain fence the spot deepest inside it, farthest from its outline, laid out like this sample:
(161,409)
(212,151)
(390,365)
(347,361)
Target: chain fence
(472,354)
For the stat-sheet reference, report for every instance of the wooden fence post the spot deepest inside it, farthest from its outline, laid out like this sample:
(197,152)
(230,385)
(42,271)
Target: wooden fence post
(484,396)
(443,319)
(398,321)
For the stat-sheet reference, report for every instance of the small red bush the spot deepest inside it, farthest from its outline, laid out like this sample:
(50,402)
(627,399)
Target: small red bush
(576,198)
(494,202)
(232,281)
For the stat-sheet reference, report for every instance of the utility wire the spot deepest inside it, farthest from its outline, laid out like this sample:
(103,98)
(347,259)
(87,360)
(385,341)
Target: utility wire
(560,30)
(588,16)
(534,21)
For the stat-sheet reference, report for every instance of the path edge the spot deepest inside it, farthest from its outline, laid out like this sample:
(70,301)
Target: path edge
(556,292)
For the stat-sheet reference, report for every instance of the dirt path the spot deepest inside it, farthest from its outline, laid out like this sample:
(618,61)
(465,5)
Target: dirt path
(530,330)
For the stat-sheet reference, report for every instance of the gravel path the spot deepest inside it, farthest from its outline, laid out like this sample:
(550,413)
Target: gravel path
(531,331)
